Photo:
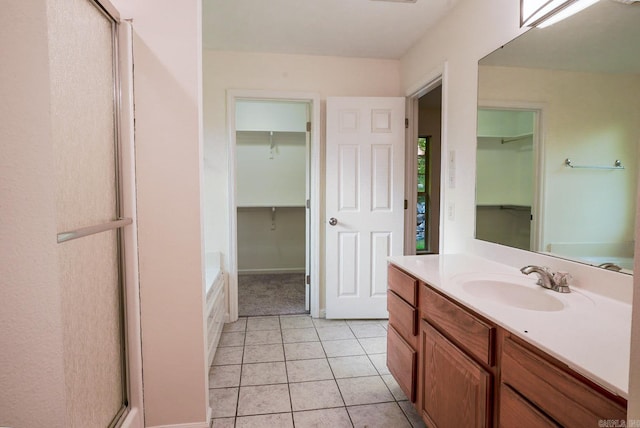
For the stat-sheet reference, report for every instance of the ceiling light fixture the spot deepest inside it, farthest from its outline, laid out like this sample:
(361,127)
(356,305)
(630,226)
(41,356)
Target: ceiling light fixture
(542,13)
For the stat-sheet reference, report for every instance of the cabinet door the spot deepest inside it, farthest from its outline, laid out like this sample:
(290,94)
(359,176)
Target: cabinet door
(402,362)
(455,388)
(516,412)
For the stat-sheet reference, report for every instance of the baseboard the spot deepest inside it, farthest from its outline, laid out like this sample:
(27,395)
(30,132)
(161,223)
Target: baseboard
(189,425)
(323,313)
(269,271)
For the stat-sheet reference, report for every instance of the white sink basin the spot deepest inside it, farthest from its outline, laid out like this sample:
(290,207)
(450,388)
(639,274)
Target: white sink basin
(514,294)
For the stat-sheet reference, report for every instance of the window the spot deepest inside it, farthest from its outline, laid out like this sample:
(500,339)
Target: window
(424,184)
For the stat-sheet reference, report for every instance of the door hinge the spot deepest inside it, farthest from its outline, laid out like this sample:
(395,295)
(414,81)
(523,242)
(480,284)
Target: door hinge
(308,126)
(406,123)
(308,280)
(406,204)
(308,203)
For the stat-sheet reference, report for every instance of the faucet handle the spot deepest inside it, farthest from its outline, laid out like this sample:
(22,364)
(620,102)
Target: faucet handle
(563,280)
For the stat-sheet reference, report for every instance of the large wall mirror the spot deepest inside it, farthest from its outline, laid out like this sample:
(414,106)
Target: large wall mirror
(558,137)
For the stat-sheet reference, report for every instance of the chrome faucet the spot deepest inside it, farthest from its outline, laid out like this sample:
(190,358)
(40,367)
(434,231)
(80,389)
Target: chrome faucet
(610,266)
(558,281)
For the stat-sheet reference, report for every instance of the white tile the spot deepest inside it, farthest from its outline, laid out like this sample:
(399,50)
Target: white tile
(323,322)
(263,323)
(263,337)
(333,418)
(278,420)
(380,362)
(303,351)
(364,322)
(315,395)
(258,400)
(358,365)
(299,335)
(374,345)
(307,370)
(342,348)
(364,390)
(239,325)
(263,374)
(412,414)
(263,353)
(232,338)
(295,321)
(223,402)
(382,415)
(224,376)
(395,389)
(228,355)
(223,423)
(368,330)
(335,333)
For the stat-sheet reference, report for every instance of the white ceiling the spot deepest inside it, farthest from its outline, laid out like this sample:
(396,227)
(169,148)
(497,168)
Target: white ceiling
(603,38)
(351,28)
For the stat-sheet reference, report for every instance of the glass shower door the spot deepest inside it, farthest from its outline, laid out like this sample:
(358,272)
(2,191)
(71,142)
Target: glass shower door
(84,111)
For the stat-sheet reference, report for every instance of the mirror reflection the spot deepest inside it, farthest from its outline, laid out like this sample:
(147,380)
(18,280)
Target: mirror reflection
(570,91)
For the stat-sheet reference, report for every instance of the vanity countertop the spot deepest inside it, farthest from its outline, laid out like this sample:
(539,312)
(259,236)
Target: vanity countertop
(591,334)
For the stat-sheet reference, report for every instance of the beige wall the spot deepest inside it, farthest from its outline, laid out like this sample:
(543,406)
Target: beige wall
(167,54)
(327,76)
(31,359)
(266,245)
(471,31)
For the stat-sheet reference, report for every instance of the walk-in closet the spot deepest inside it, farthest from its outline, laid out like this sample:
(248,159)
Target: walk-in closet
(272,187)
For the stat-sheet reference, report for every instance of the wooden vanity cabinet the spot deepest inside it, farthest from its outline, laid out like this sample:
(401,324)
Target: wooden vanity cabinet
(461,370)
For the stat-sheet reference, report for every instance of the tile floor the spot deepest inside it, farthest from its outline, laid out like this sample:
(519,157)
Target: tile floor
(295,371)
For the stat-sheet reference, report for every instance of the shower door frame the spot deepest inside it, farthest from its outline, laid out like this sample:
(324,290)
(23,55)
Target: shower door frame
(131,412)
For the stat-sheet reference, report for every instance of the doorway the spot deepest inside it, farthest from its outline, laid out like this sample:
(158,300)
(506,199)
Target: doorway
(428,158)
(506,190)
(424,153)
(274,159)
(271,179)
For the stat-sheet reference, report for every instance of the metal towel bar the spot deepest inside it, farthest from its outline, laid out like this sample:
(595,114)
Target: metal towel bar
(92,230)
(616,165)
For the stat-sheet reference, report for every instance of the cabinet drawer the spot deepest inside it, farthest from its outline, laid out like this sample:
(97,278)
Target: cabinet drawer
(516,412)
(402,362)
(470,332)
(404,318)
(403,285)
(568,400)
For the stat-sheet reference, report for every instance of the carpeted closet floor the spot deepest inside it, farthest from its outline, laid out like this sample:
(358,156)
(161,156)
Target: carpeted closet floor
(271,294)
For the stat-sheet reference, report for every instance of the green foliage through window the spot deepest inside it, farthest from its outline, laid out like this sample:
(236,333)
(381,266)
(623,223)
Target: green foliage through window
(422,232)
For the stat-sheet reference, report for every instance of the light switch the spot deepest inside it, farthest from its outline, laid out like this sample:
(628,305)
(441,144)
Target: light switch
(451,177)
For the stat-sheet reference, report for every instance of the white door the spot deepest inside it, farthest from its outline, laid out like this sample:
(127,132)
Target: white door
(364,221)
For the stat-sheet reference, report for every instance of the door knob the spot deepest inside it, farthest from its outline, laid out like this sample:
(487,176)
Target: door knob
(333,221)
